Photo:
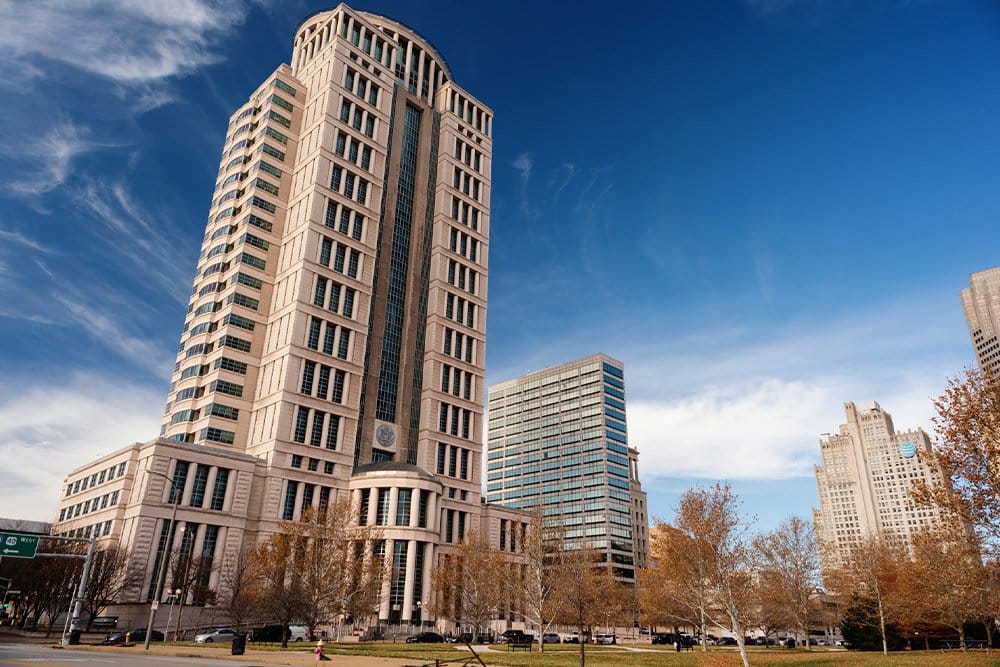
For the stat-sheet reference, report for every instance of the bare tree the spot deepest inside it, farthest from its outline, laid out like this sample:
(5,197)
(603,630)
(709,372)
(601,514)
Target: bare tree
(708,545)
(541,546)
(471,584)
(237,594)
(681,578)
(873,569)
(583,593)
(790,566)
(338,575)
(108,581)
(276,581)
(947,583)
(967,448)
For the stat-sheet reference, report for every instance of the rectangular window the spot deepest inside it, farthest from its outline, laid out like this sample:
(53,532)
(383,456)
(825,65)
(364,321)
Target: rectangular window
(290,492)
(442,456)
(249,281)
(274,134)
(335,178)
(422,509)
(319,294)
(382,513)
(331,433)
(464,468)
(403,507)
(312,342)
(179,481)
(328,338)
(264,204)
(341,144)
(301,422)
(349,302)
(352,264)
(317,430)
(323,385)
(363,510)
(198,488)
(308,490)
(345,341)
(296,461)
(273,152)
(339,377)
(308,374)
(335,296)
(453,460)
(338,258)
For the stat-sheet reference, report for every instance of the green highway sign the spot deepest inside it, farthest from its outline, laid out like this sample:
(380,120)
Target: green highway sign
(13,545)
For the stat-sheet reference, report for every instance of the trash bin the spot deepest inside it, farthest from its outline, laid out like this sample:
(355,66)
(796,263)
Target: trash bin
(74,637)
(239,645)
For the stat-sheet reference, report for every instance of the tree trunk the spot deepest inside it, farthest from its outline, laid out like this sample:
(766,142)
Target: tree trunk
(961,639)
(741,645)
(881,627)
(583,658)
(704,635)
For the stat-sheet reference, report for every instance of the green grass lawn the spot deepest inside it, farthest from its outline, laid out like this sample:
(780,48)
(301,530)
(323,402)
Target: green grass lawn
(567,655)
(599,656)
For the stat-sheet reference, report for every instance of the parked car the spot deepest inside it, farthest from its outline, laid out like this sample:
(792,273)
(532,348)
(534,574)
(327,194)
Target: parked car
(217,635)
(551,638)
(605,639)
(663,638)
(137,635)
(727,641)
(268,633)
(425,638)
(297,633)
(462,638)
(515,637)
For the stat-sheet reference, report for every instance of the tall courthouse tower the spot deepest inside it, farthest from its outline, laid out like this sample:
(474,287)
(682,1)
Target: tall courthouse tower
(335,335)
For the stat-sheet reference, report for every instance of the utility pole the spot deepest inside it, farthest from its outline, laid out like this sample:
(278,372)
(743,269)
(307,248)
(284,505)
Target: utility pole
(78,603)
(164,557)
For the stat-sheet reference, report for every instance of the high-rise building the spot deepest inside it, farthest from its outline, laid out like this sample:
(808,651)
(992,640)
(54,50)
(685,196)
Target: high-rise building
(558,444)
(335,335)
(981,303)
(865,480)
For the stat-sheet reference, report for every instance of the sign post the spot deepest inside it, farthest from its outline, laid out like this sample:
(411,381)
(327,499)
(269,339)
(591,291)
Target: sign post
(15,545)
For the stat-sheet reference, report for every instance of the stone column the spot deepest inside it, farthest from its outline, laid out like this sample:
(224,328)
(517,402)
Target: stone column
(411,566)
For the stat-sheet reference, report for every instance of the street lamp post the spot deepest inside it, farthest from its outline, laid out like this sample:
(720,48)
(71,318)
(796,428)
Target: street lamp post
(158,585)
(173,598)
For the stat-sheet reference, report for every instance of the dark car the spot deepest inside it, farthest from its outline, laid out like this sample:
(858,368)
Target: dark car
(269,633)
(663,638)
(727,641)
(137,635)
(425,638)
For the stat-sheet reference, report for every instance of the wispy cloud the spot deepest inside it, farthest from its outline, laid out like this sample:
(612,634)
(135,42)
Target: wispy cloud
(138,236)
(20,239)
(114,332)
(523,164)
(52,425)
(133,41)
(51,156)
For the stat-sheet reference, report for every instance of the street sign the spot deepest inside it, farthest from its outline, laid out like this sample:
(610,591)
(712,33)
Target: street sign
(13,545)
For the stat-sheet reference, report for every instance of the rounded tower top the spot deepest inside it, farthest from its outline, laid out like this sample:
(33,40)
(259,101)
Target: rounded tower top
(411,58)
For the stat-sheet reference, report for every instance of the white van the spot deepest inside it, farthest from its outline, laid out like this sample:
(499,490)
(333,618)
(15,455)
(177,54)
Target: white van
(297,633)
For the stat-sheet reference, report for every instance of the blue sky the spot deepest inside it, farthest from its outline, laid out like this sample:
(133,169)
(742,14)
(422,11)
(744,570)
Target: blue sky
(765,208)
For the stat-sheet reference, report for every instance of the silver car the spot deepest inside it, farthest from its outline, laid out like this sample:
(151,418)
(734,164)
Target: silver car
(218,635)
